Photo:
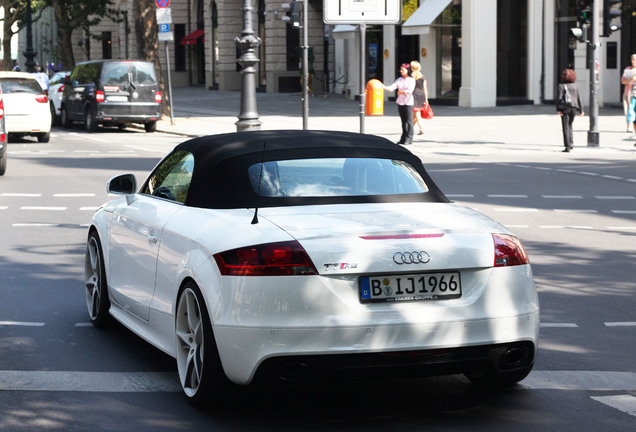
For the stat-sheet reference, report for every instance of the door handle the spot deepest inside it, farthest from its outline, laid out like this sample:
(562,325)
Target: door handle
(152,238)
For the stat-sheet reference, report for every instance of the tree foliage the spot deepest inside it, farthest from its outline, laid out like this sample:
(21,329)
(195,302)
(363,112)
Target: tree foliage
(15,13)
(148,43)
(71,15)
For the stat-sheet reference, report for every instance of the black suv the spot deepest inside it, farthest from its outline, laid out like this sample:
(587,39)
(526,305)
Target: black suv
(112,92)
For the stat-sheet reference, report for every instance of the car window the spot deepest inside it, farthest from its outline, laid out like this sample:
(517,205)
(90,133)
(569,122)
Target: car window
(20,85)
(115,74)
(144,74)
(171,179)
(335,177)
(58,78)
(85,74)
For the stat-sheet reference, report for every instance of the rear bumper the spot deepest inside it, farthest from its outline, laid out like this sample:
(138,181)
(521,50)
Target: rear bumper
(128,112)
(274,354)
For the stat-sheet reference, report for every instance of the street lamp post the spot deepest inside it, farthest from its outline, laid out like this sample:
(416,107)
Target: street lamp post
(247,45)
(29,53)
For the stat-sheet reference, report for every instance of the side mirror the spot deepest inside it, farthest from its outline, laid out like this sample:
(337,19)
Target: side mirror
(123,184)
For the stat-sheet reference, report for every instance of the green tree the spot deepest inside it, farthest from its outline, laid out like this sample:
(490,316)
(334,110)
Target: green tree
(148,43)
(71,15)
(15,12)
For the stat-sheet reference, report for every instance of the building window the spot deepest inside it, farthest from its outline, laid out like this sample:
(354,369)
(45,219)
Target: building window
(107,45)
(179,50)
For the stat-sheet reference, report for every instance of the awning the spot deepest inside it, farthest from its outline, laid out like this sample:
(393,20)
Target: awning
(191,39)
(423,17)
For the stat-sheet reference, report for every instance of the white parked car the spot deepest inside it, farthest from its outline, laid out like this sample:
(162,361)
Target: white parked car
(56,89)
(26,106)
(273,257)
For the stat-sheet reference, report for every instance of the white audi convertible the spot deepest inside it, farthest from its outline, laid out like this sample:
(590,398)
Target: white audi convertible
(274,257)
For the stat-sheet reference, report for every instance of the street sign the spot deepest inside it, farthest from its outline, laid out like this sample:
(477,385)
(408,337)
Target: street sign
(165,35)
(362,11)
(164,15)
(162,3)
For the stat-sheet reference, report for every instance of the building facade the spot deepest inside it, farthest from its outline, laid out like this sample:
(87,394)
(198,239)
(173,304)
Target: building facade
(474,53)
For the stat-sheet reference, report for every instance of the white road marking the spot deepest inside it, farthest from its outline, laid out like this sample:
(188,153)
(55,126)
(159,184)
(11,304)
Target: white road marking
(43,208)
(89,208)
(506,196)
(562,196)
(124,382)
(614,197)
(624,403)
(22,324)
(575,211)
(624,211)
(621,324)
(611,177)
(87,136)
(3,207)
(29,195)
(558,325)
(581,380)
(566,227)
(516,209)
(22,225)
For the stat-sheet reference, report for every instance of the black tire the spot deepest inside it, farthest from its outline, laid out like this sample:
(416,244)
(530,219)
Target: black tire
(3,164)
(89,120)
(55,119)
(97,300)
(44,137)
(66,122)
(497,379)
(151,126)
(122,126)
(200,371)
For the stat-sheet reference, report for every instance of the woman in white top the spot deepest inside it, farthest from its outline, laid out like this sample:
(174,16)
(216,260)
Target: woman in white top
(405,85)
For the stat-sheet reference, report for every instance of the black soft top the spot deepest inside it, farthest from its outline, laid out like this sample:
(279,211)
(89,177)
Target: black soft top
(220,179)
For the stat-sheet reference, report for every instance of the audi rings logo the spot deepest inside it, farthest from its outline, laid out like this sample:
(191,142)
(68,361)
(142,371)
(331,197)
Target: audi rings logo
(415,257)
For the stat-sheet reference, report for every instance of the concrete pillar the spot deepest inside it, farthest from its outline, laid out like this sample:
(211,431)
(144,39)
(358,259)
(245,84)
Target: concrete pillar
(479,53)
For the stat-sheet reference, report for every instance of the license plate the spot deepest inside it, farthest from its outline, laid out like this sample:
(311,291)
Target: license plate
(410,287)
(117,98)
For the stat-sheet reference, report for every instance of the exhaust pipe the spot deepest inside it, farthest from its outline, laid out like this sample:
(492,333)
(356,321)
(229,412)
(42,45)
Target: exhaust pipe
(513,356)
(293,371)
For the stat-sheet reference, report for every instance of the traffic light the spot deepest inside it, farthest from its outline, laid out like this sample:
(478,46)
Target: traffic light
(612,9)
(584,12)
(579,34)
(292,15)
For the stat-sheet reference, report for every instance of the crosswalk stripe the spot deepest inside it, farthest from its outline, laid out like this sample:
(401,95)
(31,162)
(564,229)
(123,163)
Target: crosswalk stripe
(581,380)
(624,403)
(89,381)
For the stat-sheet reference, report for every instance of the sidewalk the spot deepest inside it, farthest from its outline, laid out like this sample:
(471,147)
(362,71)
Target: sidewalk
(517,128)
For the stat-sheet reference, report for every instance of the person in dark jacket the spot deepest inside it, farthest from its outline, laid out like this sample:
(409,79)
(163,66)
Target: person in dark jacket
(570,110)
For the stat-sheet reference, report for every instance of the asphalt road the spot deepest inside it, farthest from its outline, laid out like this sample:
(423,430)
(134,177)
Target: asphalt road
(576,216)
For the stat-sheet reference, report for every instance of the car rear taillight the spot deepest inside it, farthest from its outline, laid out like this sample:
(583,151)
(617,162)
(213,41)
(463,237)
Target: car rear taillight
(60,89)
(1,107)
(158,97)
(269,259)
(509,251)
(41,98)
(99,96)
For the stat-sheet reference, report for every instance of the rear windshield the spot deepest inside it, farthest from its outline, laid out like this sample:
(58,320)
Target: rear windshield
(335,177)
(20,85)
(118,73)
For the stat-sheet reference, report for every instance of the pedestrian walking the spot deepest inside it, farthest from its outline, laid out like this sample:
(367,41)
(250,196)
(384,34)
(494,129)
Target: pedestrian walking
(627,79)
(568,105)
(420,94)
(42,78)
(405,85)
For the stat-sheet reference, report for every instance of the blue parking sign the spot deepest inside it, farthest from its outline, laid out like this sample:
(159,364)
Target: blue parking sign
(164,28)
